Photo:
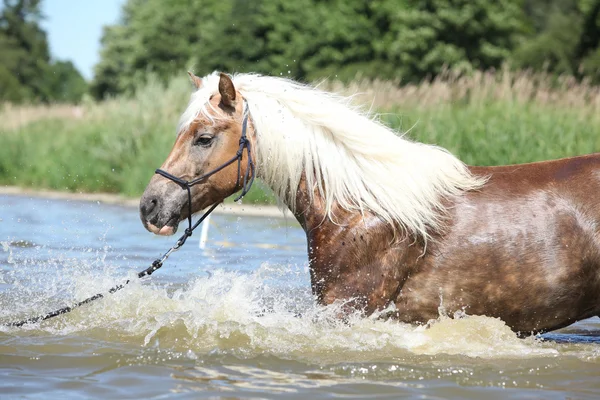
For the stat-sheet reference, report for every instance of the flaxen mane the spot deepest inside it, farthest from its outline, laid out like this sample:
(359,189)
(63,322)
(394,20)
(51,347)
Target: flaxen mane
(346,154)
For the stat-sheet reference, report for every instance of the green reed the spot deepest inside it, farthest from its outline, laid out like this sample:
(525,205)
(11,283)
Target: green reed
(485,119)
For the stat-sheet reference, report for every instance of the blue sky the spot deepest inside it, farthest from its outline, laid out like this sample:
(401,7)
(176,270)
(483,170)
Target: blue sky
(74,29)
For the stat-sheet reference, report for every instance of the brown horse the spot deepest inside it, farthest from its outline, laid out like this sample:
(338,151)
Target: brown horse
(392,223)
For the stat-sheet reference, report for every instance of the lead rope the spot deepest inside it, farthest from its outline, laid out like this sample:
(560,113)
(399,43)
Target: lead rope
(158,263)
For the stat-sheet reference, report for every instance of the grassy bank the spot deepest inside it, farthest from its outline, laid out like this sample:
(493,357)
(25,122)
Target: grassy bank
(485,119)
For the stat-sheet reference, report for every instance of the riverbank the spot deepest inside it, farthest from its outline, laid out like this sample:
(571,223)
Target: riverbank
(266,211)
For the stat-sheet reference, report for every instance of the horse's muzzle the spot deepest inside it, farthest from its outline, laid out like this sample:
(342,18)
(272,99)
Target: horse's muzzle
(155,216)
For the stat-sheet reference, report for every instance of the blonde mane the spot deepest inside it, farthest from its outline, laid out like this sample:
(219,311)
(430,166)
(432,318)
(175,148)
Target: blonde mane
(350,158)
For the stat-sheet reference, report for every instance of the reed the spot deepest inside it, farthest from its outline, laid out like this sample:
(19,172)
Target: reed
(451,87)
(485,118)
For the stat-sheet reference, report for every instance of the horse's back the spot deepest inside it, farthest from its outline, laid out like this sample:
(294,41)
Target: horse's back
(565,172)
(525,248)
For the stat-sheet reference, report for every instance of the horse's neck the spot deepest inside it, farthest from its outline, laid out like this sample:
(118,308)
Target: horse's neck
(309,210)
(326,238)
(311,213)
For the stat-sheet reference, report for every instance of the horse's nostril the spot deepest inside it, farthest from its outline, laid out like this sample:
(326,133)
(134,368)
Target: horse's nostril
(148,206)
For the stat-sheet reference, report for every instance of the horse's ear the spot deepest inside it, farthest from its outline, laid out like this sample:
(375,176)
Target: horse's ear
(195,80)
(227,90)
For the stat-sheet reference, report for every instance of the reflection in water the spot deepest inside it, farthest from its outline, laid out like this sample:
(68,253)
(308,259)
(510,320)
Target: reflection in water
(237,319)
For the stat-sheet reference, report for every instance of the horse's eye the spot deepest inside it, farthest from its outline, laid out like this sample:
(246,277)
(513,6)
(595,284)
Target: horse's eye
(204,140)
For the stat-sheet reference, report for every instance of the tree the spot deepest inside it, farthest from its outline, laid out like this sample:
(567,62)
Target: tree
(424,36)
(158,37)
(26,70)
(564,38)
(24,50)
(66,83)
(306,39)
(588,48)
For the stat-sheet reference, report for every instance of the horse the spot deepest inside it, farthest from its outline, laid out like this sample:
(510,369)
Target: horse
(393,226)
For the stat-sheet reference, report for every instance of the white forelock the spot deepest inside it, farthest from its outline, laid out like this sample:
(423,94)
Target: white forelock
(347,155)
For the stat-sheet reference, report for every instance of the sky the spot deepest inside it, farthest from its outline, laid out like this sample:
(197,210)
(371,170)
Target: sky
(74,29)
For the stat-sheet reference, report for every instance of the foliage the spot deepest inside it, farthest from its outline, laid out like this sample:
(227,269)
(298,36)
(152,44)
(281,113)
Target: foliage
(565,39)
(398,40)
(65,83)
(422,37)
(27,72)
(306,39)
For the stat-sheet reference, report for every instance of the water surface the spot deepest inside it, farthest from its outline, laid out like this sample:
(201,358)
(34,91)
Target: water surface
(236,319)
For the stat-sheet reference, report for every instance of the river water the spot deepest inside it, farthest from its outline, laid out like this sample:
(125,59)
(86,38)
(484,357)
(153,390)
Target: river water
(236,320)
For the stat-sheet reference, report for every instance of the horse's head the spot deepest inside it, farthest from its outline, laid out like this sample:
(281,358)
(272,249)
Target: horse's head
(212,140)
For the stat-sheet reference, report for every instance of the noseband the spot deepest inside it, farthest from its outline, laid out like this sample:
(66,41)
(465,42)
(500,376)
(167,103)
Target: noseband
(246,185)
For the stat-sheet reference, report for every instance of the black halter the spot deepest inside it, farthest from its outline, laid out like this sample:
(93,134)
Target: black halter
(246,185)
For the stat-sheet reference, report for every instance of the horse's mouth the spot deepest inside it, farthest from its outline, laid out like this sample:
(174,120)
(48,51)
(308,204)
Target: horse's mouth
(168,229)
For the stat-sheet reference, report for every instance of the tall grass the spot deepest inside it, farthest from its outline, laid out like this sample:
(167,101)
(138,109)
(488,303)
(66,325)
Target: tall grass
(484,118)
(113,146)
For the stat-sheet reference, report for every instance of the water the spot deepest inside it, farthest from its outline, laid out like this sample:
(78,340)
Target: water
(236,320)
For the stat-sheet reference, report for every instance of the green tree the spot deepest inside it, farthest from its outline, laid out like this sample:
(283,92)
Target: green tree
(421,37)
(11,89)
(113,73)
(23,49)
(158,37)
(564,37)
(305,39)
(588,48)
(66,83)
(26,70)
(337,38)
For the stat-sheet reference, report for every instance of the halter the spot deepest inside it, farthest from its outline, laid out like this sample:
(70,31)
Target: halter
(247,184)
(156,264)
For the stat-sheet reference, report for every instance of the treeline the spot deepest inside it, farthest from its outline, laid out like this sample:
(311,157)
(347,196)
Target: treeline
(27,72)
(399,40)
(406,40)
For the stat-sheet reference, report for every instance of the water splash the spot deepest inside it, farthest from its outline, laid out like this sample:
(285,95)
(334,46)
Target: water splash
(261,313)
